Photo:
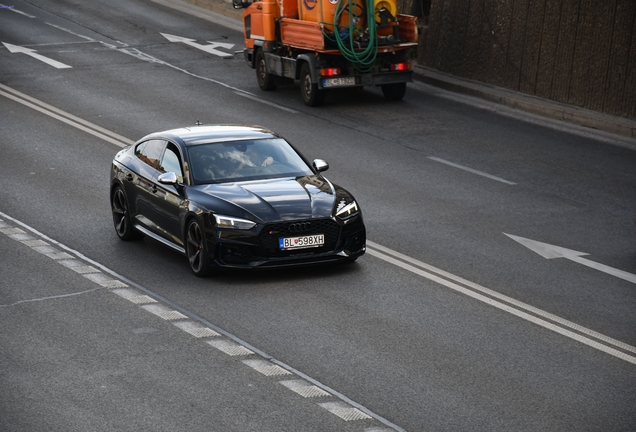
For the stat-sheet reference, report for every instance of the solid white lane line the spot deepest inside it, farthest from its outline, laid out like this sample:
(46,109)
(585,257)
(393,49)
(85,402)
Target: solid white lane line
(505,298)
(64,120)
(512,310)
(474,171)
(65,117)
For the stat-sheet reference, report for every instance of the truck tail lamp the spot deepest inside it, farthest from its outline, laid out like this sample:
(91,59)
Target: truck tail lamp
(406,66)
(327,72)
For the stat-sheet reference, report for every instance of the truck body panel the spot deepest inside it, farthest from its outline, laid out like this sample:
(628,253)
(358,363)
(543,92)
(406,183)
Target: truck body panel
(329,44)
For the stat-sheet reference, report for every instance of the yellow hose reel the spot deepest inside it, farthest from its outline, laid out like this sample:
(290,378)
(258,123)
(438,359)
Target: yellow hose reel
(389,5)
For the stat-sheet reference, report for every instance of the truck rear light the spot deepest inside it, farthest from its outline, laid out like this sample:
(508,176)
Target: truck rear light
(401,66)
(330,71)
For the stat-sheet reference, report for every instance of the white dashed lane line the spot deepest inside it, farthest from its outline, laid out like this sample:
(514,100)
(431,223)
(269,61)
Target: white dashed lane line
(294,380)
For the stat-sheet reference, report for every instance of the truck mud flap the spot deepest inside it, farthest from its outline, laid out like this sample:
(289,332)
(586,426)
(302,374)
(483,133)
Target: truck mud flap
(392,78)
(248,55)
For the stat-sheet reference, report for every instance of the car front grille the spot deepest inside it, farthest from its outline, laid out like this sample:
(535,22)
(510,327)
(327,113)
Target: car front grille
(271,233)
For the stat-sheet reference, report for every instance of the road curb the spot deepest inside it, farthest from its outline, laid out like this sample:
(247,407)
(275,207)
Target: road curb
(531,104)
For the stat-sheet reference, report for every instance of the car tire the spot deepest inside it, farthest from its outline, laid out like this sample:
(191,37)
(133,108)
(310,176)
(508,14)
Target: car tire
(394,92)
(312,95)
(121,216)
(265,80)
(197,249)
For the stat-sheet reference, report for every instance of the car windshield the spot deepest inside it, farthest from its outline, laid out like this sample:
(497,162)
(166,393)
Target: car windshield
(245,160)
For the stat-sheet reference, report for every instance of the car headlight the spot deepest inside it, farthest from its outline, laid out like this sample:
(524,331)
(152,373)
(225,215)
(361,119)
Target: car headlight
(347,210)
(233,223)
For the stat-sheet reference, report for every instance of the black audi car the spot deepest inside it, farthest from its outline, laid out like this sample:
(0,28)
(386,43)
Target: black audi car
(233,196)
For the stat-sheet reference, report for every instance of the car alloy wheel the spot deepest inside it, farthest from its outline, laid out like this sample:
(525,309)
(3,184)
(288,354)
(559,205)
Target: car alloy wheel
(121,216)
(196,249)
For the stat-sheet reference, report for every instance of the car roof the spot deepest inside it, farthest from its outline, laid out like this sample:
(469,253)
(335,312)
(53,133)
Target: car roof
(194,135)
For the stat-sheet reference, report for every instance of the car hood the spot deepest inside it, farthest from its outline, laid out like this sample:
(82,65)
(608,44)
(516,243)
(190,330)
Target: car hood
(274,199)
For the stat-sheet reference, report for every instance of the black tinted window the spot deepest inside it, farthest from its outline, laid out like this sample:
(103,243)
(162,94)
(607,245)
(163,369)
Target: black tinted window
(171,162)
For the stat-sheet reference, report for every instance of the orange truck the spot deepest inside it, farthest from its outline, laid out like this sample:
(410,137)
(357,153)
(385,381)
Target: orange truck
(328,44)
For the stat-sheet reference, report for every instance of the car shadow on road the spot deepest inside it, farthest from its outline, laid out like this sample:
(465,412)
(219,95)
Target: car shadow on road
(314,272)
(143,258)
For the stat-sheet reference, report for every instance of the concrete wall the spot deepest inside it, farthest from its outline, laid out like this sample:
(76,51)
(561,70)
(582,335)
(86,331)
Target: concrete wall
(578,52)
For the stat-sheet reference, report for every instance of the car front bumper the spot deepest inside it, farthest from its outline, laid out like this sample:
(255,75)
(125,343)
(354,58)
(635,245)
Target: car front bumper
(259,248)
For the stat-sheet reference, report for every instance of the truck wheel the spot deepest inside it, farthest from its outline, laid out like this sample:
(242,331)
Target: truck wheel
(312,95)
(265,80)
(394,91)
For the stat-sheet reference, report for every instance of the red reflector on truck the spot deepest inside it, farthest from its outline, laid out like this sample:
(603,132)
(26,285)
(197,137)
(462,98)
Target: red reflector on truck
(330,72)
(401,66)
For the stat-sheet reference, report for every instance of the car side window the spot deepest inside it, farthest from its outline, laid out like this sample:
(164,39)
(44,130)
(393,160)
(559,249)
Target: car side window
(150,152)
(140,149)
(171,162)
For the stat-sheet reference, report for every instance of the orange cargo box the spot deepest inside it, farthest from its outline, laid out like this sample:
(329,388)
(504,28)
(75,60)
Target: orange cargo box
(309,35)
(408,28)
(302,34)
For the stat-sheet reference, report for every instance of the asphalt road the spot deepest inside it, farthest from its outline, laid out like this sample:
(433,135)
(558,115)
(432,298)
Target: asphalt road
(446,323)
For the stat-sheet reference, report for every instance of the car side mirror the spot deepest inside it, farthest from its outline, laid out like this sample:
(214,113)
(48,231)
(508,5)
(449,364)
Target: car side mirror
(240,4)
(320,165)
(168,178)
(172,179)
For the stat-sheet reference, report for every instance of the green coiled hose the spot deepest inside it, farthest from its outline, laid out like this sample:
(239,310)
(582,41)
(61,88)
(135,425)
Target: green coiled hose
(364,60)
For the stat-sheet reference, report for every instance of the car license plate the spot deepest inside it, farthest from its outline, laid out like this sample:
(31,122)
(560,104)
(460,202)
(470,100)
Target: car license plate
(335,82)
(303,242)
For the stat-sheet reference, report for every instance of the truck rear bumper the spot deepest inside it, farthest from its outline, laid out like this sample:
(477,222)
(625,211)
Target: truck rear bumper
(365,80)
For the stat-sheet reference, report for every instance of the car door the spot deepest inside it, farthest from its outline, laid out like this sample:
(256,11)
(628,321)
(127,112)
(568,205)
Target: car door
(149,155)
(167,200)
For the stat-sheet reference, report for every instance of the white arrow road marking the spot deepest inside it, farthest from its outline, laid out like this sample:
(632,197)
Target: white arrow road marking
(549,251)
(35,55)
(505,303)
(211,49)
